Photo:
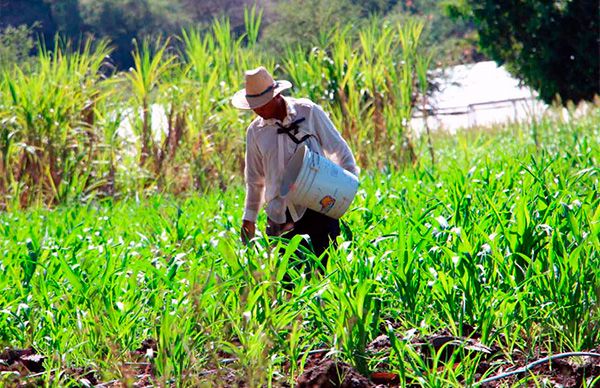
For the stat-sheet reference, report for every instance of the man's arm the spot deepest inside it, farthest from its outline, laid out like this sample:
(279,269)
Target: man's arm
(334,145)
(255,185)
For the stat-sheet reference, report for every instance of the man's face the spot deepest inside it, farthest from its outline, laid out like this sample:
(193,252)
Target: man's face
(269,110)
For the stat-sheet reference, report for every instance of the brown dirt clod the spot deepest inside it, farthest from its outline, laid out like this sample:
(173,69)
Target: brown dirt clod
(333,374)
(26,357)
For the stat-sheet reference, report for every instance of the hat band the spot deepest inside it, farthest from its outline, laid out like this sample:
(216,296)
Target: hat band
(267,90)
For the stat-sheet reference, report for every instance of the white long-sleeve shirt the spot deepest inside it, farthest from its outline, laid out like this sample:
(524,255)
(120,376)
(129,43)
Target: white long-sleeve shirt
(264,172)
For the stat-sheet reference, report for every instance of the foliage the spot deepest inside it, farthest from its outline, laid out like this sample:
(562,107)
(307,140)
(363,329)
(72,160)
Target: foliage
(375,7)
(551,45)
(16,45)
(125,21)
(503,237)
(48,141)
(29,13)
(168,121)
(452,41)
(306,23)
(205,11)
(368,86)
(66,15)
(301,22)
(120,21)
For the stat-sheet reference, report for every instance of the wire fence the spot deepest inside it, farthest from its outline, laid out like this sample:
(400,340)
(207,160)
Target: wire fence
(480,113)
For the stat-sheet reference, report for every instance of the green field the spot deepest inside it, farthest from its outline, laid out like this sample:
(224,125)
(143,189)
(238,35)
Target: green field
(499,242)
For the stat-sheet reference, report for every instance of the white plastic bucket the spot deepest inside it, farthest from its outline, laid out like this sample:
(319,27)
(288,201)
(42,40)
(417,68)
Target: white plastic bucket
(315,182)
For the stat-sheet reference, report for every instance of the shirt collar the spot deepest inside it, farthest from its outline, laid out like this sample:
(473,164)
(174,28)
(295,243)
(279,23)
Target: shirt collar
(291,115)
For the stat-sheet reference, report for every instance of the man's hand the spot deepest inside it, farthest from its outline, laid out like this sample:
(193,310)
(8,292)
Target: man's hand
(248,230)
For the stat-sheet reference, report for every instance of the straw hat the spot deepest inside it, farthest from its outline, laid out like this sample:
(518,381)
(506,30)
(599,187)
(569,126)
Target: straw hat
(260,89)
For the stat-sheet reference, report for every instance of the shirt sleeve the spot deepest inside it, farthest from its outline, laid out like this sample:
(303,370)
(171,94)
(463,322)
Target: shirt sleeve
(255,179)
(334,146)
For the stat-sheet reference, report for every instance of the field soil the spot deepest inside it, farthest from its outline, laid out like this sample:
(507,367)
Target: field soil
(25,367)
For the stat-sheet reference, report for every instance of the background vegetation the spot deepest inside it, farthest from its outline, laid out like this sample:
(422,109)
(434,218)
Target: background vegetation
(286,22)
(550,46)
(553,46)
(71,133)
(497,238)
(74,126)
(502,238)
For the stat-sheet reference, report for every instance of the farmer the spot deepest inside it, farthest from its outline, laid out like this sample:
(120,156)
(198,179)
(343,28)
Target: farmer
(284,124)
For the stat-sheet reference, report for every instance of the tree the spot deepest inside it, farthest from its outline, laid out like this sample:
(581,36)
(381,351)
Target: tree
(552,46)
(205,11)
(369,7)
(450,41)
(32,14)
(16,44)
(123,21)
(66,16)
(304,21)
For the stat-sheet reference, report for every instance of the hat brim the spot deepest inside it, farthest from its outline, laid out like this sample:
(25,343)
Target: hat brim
(240,101)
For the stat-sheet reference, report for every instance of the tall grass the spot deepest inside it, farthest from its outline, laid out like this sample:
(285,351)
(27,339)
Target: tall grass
(59,138)
(49,140)
(495,238)
(502,235)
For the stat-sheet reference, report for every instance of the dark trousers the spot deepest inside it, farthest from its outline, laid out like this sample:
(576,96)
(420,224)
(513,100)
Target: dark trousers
(322,230)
